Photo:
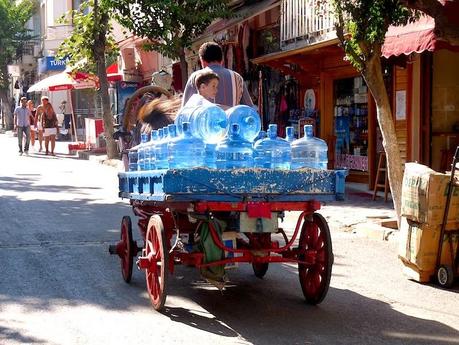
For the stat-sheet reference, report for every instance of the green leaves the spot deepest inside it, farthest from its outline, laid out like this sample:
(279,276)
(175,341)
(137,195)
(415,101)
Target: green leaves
(13,34)
(171,25)
(91,24)
(362,25)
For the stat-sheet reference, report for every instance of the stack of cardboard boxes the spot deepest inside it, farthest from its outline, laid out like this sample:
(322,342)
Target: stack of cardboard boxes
(424,194)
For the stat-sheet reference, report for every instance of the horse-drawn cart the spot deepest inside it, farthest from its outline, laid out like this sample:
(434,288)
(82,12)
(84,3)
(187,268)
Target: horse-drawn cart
(212,219)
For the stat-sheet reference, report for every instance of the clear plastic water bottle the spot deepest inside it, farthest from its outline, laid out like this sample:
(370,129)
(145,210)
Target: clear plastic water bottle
(234,151)
(133,157)
(207,122)
(186,151)
(141,152)
(261,135)
(149,151)
(161,160)
(309,151)
(248,120)
(210,155)
(289,134)
(272,152)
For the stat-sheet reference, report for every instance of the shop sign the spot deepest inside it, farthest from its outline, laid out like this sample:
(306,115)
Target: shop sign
(51,63)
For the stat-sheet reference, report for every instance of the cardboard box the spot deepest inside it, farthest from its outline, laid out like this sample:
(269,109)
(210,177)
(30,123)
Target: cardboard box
(424,193)
(418,247)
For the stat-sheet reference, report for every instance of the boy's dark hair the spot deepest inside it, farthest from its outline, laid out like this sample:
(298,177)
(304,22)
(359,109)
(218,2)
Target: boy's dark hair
(205,77)
(211,52)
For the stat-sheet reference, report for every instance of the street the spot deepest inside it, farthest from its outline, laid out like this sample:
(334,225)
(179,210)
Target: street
(59,285)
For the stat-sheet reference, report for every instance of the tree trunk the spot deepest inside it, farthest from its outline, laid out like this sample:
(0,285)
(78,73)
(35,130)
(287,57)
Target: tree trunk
(183,68)
(99,55)
(375,82)
(7,118)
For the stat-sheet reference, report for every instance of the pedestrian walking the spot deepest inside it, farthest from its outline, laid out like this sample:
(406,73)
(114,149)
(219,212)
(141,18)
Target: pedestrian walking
(21,122)
(33,124)
(65,109)
(48,119)
(231,91)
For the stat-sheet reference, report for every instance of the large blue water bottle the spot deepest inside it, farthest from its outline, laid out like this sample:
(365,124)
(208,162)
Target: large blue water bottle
(248,120)
(161,160)
(149,151)
(234,151)
(272,152)
(289,134)
(210,155)
(261,135)
(186,151)
(133,157)
(207,122)
(141,152)
(309,151)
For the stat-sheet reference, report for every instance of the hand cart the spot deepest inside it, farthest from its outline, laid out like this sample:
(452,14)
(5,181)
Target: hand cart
(447,273)
(181,211)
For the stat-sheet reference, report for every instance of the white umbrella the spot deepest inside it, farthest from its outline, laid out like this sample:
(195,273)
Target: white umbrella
(61,81)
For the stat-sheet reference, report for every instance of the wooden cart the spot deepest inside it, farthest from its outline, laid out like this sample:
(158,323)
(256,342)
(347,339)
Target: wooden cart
(177,208)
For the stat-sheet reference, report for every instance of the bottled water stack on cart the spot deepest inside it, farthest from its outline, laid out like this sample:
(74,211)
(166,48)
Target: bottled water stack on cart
(309,151)
(234,151)
(272,152)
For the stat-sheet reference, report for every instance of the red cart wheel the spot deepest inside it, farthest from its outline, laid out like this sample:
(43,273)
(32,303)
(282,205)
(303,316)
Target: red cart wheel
(126,253)
(315,244)
(157,253)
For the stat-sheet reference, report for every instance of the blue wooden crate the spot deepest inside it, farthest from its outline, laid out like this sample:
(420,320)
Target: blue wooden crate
(233,185)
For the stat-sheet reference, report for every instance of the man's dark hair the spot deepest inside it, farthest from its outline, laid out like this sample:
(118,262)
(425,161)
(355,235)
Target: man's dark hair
(205,77)
(211,52)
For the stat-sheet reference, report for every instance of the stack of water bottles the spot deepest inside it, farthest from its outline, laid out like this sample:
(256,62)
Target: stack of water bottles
(207,136)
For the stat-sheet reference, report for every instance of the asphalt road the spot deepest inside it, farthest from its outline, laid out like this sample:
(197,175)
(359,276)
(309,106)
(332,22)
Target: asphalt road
(58,285)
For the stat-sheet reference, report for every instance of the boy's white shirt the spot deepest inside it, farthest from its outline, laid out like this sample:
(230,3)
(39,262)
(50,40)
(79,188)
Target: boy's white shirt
(195,101)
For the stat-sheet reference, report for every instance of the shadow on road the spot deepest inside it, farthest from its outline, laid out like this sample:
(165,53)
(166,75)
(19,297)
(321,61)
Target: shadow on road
(273,311)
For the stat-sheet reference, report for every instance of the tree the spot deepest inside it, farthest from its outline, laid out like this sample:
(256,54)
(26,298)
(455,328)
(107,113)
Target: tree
(170,25)
(91,40)
(13,35)
(361,26)
(445,13)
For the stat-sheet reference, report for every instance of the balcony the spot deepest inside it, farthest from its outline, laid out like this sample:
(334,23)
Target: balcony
(58,32)
(304,22)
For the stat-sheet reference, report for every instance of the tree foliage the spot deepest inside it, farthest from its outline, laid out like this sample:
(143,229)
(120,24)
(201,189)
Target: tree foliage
(171,25)
(79,46)
(13,33)
(362,26)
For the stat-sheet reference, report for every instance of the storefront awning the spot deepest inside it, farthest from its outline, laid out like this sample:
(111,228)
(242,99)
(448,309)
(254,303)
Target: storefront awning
(411,38)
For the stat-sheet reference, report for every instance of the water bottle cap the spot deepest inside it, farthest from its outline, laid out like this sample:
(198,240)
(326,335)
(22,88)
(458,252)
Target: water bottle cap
(160,133)
(289,130)
(186,127)
(234,128)
(172,130)
(154,134)
(308,131)
(143,137)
